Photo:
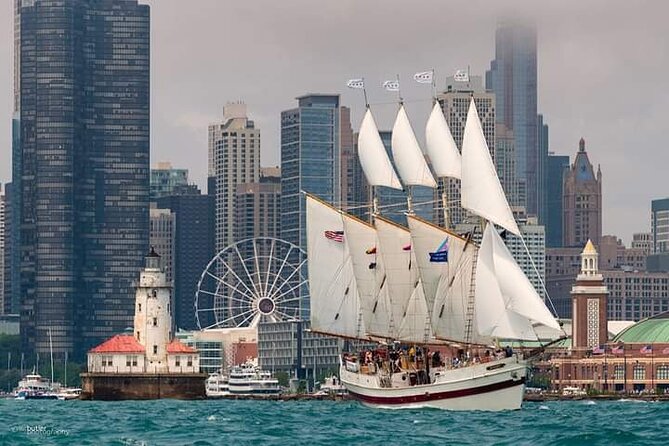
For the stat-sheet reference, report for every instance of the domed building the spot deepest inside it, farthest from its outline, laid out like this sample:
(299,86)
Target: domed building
(634,360)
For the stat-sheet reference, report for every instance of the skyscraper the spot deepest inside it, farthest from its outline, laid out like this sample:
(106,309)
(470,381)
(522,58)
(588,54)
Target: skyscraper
(193,247)
(556,168)
(162,224)
(234,148)
(659,225)
(257,207)
(455,103)
(582,201)
(310,160)
(82,110)
(513,79)
(165,179)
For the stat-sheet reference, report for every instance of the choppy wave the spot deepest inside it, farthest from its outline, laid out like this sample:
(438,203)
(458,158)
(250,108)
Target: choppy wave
(221,422)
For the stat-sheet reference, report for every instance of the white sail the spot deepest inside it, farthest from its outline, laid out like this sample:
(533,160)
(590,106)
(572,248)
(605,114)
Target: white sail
(516,287)
(369,274)
(415,326)
(407,155)
(481,191)
(494,316)
(335,306)
(426,238)
(450,312)
(394,247)
(373,156)
(441,148)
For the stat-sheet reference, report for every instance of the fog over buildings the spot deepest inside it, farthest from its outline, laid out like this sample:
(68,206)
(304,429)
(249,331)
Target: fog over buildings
(602,75)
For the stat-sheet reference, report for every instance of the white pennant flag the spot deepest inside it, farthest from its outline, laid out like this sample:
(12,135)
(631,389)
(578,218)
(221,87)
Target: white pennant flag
(356,83)
(424,77)
(391,85)
(461,76)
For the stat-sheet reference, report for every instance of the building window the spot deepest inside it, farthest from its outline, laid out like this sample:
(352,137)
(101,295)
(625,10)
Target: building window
(189,363)
(639,372)
(139,308)
(177,361)
(134,361)
(663,372)
(155,349)
(618,372)
(138,336)
(155,321)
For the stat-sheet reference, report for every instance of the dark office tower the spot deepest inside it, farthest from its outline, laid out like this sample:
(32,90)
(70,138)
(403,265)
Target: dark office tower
(193,247)
(83,111)
(542,153)
(513,79)
(556,168)
(3,231)
(582,192)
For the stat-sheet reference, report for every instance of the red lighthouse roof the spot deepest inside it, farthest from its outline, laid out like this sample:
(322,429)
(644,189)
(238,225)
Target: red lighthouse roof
(177,346)
(119,344)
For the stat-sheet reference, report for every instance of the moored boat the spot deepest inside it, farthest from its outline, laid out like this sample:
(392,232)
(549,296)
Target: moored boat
(249,379)
(217,385)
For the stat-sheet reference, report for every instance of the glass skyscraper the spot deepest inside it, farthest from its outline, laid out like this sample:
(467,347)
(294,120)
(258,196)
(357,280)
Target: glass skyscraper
(82,104)
(556,167)
(513,79)
(310,162)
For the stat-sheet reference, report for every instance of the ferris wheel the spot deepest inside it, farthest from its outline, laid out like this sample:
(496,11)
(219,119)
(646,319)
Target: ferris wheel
(254,280)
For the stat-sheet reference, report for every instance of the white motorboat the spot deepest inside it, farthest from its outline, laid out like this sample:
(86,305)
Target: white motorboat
(249,379)
(217,385)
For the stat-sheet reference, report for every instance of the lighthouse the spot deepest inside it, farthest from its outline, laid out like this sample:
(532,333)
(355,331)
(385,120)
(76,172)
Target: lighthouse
(153,313)
(149,363)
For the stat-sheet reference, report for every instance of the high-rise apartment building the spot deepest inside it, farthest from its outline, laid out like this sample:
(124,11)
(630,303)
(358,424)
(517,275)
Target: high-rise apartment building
(513,79)
(257,207)
(455,104)
(234,152)
(162,237)
(505,163)
(643,241)
(556,168)
(582,192)
(82,167)
(659,225)
(165,179)
(193,247)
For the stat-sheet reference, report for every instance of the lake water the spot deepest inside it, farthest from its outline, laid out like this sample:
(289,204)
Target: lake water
(228,422)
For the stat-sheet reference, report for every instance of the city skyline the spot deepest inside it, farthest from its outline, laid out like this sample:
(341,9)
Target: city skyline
(585,50)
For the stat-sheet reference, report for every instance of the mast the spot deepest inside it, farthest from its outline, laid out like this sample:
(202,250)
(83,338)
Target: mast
(51,354)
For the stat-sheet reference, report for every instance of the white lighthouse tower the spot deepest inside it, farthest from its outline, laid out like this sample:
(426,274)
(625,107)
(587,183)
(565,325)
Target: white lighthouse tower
(153,313)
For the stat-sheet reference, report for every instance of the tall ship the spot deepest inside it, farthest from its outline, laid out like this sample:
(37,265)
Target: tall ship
(421,290)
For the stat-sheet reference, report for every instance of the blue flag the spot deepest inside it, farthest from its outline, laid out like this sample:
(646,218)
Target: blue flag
(441,254)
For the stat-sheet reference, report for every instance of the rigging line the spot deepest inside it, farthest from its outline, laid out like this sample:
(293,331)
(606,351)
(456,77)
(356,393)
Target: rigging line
(541,280)
(285,260)
(250,297)
(218,256)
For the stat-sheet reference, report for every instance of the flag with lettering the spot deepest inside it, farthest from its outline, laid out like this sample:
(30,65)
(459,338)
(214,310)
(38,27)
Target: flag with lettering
(391,85)
(461,76)
(424,77)
(441,254)
(356,83)
(337,236)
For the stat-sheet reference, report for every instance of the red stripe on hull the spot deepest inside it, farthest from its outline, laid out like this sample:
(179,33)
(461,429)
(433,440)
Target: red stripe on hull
(436,396)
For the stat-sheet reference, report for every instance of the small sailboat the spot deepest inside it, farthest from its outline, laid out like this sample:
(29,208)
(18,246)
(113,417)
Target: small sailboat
(416,288)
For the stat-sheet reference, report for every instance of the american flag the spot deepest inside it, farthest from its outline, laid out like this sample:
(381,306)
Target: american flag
(597,350)
(664,352)
(647,349)
(337,236)
(617,350)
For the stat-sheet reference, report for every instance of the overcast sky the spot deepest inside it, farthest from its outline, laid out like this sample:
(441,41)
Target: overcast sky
(603,75)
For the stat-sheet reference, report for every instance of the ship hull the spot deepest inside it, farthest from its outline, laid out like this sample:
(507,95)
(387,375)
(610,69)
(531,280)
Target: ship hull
(492,386)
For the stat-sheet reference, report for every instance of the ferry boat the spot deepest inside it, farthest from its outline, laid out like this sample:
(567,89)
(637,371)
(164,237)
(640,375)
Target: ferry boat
(249,379)
(34,387)
(217,385)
